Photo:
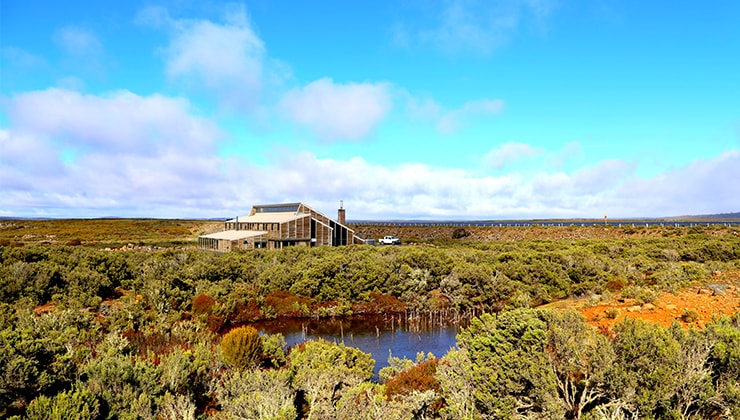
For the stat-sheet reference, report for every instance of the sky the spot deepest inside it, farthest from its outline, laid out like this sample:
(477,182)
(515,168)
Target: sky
(415,109)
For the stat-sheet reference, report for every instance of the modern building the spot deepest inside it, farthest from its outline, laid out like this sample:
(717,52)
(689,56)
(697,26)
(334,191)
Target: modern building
(275,226)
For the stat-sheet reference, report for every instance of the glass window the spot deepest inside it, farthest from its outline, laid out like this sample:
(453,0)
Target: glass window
(292,208)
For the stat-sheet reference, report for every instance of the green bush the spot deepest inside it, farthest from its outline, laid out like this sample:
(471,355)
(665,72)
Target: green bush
(612,313)
(273,350)
(689,315)
(242,347)
(460,233)
(78,403)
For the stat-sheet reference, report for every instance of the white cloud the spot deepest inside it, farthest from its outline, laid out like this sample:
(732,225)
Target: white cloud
(705,186)
(587,192)
(369,190)
(118,122)
(509,152)
(22,155)
(71,83)
(338,111)
(425,109)
(116,154)
(601,177)
(451,121)
(225,59)
(474,25)
(418,190)
(77,41)
(483,107)
(154,16)
(83,52)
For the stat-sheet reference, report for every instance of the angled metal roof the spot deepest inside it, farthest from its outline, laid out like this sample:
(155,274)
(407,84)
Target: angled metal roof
(269,217)
(234,235)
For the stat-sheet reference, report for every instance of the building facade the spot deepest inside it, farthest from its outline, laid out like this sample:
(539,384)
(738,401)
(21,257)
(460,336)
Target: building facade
(275,226)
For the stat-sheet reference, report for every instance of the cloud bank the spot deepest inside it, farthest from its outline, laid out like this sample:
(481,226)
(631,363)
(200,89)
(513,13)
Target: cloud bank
(124,154)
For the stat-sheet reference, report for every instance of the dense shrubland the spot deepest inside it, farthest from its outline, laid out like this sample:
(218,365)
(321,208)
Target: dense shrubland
(89,333)
(245,286)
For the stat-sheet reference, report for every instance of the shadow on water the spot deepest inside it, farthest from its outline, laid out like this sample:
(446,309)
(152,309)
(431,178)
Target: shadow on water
(378,335)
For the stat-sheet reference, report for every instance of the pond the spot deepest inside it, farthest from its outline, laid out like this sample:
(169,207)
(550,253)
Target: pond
(378,335)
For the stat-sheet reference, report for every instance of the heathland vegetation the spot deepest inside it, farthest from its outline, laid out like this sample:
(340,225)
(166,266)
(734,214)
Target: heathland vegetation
(95,333)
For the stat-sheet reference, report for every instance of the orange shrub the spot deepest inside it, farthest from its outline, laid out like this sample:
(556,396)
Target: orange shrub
(203,304)
(417,378)
(285,303)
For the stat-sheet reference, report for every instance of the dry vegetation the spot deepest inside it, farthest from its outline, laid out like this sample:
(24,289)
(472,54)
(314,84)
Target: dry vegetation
(104,232)
(113,233)
(535,232)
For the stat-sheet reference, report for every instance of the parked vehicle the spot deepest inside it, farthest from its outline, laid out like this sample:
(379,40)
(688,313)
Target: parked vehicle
(389,240)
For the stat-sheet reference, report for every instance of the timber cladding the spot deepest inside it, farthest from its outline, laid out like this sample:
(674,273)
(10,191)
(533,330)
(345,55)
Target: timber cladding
(275,226)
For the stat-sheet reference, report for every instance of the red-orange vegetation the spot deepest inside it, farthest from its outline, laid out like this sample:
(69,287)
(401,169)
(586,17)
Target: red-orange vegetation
(284,303)
(44,309)
(417,378)
(203,304)
(215,322)
(615,284)
(246,312)
(379,303)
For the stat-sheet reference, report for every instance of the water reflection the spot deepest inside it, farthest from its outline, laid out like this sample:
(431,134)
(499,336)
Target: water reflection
(377,335)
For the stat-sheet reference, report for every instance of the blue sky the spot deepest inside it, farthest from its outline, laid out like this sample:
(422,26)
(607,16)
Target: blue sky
(461,109)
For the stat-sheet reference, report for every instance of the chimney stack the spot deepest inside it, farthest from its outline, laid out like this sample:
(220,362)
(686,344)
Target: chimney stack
(341,215)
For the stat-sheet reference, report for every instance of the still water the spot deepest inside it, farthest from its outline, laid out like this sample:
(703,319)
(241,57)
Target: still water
(377,335)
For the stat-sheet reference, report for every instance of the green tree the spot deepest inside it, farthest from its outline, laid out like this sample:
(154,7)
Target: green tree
(456,377)
(128,386)
(647,367)
(322,370)
(724,359)
(511,373)
(581,359)
(30,365)
(273,352)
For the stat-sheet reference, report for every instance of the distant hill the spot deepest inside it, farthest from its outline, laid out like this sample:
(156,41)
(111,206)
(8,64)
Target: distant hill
(730,217)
